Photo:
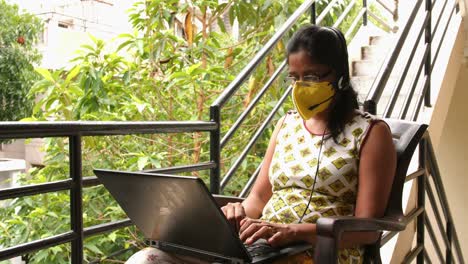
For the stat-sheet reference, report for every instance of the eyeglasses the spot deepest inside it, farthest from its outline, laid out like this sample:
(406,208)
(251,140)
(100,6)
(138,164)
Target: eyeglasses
(308,78)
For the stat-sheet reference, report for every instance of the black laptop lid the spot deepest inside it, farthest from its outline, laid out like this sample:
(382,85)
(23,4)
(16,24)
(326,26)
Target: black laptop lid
(174,209)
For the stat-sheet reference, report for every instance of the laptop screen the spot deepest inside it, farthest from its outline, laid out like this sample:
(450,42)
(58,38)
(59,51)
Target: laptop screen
(174,209)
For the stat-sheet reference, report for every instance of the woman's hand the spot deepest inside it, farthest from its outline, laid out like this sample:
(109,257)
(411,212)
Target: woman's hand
(234,212)
(276,234)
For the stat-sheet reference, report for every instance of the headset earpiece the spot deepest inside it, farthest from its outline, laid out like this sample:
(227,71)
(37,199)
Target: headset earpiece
(340,83)
(342,42)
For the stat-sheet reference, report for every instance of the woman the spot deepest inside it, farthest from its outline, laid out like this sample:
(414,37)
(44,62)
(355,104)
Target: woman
(326,159)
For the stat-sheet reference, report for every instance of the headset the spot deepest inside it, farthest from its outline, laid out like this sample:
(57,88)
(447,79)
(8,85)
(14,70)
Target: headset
(344,54)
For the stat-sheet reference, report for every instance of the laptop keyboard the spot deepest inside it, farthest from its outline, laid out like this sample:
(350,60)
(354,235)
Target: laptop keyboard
(259,248)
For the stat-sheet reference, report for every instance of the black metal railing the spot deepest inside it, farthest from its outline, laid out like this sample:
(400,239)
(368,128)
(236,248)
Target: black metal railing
(428,174)
(427,158)
(426,62)
(449,234)
(74,131)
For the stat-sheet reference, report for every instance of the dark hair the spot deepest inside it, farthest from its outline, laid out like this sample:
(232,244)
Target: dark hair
(326,45)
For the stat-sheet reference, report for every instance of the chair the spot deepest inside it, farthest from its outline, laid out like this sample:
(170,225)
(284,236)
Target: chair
(406,136)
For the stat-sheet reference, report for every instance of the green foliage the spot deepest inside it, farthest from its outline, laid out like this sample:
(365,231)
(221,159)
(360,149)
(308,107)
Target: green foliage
(154,74)
(18,34)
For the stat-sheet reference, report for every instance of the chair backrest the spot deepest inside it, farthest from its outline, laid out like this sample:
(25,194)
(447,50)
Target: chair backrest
(406,136)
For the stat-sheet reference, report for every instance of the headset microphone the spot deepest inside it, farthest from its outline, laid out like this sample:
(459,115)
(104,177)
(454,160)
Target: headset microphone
(312,107)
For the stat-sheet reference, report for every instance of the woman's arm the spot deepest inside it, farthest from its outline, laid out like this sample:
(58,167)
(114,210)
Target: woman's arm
(377,167)
(261,192)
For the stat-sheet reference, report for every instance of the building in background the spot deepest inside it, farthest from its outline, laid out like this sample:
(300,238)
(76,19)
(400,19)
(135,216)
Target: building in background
(68,23)
(67,26)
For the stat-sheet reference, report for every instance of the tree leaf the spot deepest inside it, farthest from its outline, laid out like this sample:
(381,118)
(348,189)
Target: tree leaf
(72,74)
(124,44)
(46,74)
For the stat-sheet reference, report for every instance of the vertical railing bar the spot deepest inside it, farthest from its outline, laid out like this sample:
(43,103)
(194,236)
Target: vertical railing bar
(458,247)
(215,149)
(435,243)
(427,68)
(381,80)
(76,207)
(364,17)
(370,107)
(395,12)
(414,83)
(435,172)
(442,38)
(438,20)
(417,108)
(448,249)
(435,209)
(421,199)
(389,109)
(313,14)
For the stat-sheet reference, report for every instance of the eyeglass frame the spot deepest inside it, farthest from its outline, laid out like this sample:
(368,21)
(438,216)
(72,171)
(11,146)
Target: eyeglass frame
(309,78)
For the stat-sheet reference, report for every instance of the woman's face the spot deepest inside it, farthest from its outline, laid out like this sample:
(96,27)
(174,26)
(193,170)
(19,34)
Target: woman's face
(300,65)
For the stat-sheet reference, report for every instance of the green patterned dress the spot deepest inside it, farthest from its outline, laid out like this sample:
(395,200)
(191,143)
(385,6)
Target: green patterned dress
(293,169)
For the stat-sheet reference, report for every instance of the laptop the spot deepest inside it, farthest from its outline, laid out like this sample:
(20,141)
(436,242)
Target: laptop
(179,215)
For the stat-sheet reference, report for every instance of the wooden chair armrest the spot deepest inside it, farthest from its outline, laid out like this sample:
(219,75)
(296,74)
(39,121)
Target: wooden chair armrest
(222,200)
(330,229)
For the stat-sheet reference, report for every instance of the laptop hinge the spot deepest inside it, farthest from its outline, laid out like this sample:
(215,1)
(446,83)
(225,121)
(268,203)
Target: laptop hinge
(193,252)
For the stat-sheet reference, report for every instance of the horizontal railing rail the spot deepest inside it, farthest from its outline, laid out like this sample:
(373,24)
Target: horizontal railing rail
(51,241)
(15,130)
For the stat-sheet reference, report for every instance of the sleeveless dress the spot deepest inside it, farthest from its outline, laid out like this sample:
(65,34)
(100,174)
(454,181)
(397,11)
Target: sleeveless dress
(293,169)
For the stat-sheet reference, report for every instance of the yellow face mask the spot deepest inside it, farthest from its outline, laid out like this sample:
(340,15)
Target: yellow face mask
(311,98)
